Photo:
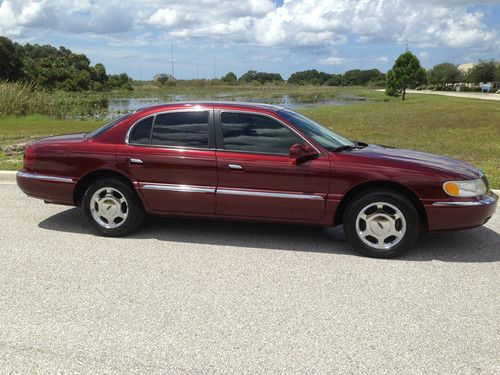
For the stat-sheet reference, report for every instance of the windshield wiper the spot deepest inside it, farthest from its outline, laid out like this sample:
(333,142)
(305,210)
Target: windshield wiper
(360,144)
(357,144)
(343,148)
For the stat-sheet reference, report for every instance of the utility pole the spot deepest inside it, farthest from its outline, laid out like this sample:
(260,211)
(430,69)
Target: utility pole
(172,57)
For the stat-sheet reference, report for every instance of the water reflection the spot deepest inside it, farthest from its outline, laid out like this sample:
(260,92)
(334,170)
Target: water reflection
(118,106)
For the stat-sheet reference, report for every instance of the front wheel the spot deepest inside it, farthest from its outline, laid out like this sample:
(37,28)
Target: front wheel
(112,207)
(381,224)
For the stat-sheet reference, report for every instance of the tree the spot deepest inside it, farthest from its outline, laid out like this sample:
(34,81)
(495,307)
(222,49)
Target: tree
(230,78)
(120,81)
(405,73)
(53,68)
(248,76)
(444,73)
(497,75)
(391,86)
(260,77)
(358,77)
(334,80)
(10,63)
(309,77)
(98,73)
(484,71)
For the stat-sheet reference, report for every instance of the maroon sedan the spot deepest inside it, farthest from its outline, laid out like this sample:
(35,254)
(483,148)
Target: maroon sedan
(254,162)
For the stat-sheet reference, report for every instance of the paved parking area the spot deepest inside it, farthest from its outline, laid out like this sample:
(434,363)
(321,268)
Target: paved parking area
(194,296)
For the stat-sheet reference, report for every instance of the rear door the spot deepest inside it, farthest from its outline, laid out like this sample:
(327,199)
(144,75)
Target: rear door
(172,157)
(258,179)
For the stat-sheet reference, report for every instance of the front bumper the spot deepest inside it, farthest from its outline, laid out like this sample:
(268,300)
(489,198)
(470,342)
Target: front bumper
(53,189)
(461,214)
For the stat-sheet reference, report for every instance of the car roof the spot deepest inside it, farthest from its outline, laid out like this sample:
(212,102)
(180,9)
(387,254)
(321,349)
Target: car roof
(222,104)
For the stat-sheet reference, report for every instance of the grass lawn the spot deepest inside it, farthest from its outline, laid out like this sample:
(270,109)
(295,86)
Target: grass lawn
(466,129)
(14,130)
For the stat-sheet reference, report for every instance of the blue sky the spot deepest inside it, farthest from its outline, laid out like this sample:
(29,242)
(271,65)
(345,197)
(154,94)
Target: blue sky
(136,36)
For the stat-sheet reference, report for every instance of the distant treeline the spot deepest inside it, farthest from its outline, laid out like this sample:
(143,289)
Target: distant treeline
(55,68)
(355,77)
(447,74)
(440,76)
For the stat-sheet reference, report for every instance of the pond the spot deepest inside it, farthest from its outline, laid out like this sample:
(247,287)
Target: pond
(119,106)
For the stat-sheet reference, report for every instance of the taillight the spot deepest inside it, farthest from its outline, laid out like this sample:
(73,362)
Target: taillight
(29,156)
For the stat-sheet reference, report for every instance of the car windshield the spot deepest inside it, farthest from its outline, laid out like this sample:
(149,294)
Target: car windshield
(104,128)
(325,137)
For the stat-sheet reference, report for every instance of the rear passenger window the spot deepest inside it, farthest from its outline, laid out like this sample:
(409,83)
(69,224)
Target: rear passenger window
(141,132)
(254,133)
(181,129)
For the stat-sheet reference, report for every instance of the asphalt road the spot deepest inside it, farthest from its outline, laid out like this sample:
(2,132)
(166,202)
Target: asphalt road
(196,297)
(469,95)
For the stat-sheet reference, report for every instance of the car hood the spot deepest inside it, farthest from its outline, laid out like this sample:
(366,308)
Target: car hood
(449,166)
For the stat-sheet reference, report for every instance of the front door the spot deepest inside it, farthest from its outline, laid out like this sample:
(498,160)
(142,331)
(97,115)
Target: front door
(258,179)
(171,157)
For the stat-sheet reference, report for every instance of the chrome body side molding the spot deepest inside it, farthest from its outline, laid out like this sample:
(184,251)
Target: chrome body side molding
(179,188)
(212,190)
(253,193)
(482,202)
(37,176)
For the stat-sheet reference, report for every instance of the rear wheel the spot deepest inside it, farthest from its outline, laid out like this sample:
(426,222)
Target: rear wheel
(382,224)
(112,207)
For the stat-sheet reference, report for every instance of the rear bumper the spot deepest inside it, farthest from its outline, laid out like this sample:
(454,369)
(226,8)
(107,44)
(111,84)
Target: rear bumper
(454,214)
(53,189)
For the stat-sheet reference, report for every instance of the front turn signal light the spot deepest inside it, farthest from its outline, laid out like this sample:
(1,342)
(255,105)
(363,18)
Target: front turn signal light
(466,188)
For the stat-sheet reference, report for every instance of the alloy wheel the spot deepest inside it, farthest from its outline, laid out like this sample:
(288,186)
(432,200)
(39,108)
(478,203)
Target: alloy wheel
(381,225)
(109,207)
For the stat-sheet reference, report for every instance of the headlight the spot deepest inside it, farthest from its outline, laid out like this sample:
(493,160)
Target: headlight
(468,188)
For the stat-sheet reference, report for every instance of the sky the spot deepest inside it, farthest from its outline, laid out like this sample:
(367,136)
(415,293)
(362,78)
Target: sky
(210,37)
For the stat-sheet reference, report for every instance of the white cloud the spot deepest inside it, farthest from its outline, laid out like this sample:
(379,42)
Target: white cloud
(297,23)
(164,17)
(332,60)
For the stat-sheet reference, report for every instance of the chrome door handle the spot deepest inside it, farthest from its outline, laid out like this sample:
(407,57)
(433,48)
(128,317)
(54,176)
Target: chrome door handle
(136,161)
(235,167)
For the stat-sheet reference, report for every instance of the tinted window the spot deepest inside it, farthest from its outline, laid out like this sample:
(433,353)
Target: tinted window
(325,137)
(185,129)
(254,133)
(141,132)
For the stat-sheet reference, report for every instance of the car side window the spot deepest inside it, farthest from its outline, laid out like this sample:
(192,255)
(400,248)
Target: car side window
(181,129)
(141,133)
(255,133)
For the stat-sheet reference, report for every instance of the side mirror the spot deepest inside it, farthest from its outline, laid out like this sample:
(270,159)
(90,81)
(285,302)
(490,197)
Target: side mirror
(302,153)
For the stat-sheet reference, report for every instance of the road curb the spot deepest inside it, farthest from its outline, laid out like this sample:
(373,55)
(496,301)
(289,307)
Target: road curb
(10,177)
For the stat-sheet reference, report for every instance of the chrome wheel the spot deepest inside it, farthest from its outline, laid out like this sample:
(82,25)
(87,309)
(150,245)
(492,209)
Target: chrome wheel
(381,225)
(109,208)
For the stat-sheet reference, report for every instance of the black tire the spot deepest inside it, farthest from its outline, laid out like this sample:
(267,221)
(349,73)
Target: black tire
(133,207)
(391,198)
